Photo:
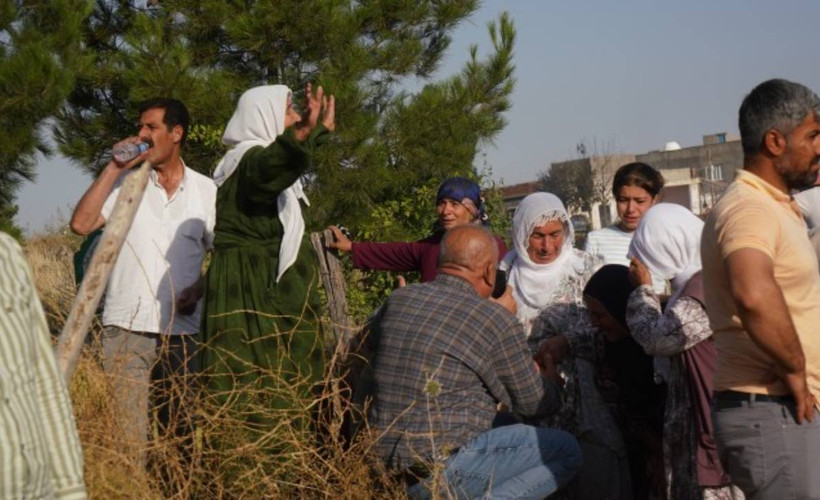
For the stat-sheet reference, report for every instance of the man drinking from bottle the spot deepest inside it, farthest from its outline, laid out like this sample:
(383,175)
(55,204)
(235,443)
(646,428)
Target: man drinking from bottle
(152,310)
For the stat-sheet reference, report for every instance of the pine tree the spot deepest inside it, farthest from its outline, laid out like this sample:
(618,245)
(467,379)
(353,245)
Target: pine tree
(39,56)
(208,52)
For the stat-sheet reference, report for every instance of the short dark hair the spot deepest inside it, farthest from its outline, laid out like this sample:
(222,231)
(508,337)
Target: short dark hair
(638,174)
(774,104)
(175,113)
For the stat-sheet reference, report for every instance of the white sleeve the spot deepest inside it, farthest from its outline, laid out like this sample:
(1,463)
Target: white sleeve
(108,206)
(809,203)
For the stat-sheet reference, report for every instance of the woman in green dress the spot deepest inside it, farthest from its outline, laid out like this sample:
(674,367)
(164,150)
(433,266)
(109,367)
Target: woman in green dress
(262,343)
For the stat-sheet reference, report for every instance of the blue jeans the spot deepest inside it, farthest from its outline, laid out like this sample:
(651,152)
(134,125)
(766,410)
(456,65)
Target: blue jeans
(515,461)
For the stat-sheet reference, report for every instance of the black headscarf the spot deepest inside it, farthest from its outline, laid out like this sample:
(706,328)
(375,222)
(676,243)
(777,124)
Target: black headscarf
(631,367)
(611,287)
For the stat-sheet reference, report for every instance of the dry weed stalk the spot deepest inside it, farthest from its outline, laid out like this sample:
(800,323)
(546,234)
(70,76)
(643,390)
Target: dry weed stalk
(225,456)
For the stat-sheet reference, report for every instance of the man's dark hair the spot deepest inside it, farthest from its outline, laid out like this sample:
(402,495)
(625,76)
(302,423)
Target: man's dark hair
(774,104)
(638,174)
(175,113)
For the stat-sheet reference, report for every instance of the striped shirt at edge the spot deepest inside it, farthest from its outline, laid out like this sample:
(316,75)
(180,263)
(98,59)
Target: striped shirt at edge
(40,454)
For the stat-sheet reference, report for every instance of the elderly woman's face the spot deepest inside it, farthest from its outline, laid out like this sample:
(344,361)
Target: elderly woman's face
(545,242)
(452,213)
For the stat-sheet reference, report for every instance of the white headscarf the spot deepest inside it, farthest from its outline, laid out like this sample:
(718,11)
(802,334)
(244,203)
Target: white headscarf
(667,241)
(259,118)
(533,283)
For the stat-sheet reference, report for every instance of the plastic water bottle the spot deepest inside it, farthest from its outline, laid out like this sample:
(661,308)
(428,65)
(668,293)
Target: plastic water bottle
(127,152)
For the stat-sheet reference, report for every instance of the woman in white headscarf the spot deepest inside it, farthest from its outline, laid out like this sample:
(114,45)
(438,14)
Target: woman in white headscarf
(667,245)
(260,322)
(547,276)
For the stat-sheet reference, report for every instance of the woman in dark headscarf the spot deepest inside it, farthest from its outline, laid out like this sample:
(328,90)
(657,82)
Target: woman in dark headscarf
(458,202)
(640,402)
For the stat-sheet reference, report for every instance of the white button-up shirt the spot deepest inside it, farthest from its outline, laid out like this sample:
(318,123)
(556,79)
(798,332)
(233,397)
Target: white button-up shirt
(162,255)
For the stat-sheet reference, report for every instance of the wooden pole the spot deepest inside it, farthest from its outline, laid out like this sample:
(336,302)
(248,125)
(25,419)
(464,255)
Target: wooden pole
(99,270)
(333,281)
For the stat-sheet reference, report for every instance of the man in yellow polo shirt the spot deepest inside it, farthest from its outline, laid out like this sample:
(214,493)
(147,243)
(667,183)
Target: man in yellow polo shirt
(763,299)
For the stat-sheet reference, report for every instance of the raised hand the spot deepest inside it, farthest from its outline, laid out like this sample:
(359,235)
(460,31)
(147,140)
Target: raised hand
(137,160)
(310,114)
(638,273)
(329,112)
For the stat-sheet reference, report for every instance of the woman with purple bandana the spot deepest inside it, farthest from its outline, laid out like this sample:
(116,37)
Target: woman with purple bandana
(458,202)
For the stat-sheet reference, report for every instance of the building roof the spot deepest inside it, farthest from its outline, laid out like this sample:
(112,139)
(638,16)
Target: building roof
(519,190)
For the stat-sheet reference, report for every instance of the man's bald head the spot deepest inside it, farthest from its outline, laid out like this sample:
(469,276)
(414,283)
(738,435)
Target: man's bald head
(471,253)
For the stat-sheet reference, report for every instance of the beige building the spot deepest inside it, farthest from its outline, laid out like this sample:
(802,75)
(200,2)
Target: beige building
(695,176)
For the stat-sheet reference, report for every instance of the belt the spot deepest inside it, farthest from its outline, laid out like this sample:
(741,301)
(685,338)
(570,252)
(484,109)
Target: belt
(730,399)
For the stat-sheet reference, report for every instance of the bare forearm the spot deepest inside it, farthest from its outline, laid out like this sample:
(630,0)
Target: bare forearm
(768,323)
(87,214)
(762,307)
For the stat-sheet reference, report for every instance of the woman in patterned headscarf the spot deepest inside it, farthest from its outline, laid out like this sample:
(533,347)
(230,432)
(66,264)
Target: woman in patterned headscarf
(548,278)
(458,202)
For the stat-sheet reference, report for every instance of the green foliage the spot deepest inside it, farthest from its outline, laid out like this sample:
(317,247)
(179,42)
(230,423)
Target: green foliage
(408,218)
(7,213)
(207,53)
(391,148)
(39,57)
(572,182)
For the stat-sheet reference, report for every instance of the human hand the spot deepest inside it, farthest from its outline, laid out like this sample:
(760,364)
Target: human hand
(507,300)
(188,298)
(315,105)
(137,160)
(401,281)
(638,273)
(310,113)
(804,400)
(329,112)
(341,242)
(546,366)
(557,347)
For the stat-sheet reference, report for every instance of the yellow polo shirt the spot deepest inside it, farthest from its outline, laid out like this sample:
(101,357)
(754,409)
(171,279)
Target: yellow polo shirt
(754,214)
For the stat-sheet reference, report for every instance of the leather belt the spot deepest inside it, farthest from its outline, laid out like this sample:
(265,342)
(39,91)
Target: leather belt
(726,398)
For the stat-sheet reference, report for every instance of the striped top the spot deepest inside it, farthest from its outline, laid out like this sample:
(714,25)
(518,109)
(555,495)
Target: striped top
(612,245)
(40,454)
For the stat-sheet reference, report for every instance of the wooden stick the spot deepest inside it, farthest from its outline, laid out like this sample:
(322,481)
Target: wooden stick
(330,270)
(99,270)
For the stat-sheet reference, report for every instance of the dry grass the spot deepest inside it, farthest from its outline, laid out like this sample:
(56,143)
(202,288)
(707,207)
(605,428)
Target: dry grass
(225,457)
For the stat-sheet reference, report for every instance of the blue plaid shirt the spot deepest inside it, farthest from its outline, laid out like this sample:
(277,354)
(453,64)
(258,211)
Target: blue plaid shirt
(444,358)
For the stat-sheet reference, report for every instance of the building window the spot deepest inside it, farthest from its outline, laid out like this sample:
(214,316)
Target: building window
(721,138)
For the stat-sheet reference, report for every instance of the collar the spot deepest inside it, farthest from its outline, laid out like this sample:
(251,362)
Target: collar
(182,183)
(756,182)
(456,282)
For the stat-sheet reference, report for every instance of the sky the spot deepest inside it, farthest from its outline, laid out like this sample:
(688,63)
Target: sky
(628,76)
